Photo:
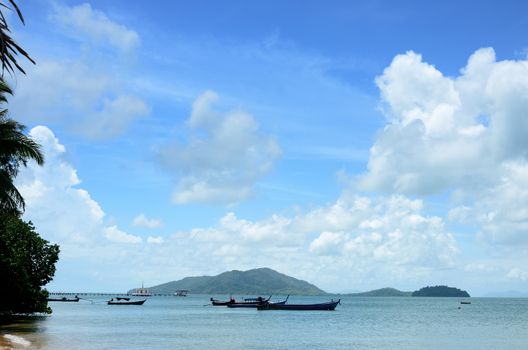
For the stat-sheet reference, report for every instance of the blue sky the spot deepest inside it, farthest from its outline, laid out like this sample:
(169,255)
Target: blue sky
(354,145)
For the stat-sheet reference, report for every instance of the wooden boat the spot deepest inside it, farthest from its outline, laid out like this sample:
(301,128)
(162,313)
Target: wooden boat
(251,302)
(330,306)
(64,299)
(256,302)
(125,301)
(222,303)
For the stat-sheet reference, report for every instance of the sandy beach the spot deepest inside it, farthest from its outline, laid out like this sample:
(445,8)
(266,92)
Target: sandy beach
(10,341)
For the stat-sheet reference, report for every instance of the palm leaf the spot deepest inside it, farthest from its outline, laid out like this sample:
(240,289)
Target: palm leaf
(9,49)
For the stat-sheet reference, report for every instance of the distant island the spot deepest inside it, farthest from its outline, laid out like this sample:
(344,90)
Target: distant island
(262,281)
(265,281)
(440,291)
(383,292)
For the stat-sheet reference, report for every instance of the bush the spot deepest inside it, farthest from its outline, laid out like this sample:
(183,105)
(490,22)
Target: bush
(27,263)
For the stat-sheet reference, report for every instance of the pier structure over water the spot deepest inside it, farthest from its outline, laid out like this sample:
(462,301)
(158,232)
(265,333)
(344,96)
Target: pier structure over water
(103,294)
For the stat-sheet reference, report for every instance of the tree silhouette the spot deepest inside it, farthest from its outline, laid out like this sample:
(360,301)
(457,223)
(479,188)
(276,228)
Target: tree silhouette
(9,49)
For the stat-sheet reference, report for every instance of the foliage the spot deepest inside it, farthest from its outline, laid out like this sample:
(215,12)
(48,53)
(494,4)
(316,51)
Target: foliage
(27,263)
(9,49)
(15,150)
(440,291)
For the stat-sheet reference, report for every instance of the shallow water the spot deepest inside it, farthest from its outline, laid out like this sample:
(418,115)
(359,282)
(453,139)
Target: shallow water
(359,323)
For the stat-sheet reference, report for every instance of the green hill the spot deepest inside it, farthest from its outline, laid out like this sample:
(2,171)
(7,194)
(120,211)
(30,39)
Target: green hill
(440,291)
(383,292)
(261,281)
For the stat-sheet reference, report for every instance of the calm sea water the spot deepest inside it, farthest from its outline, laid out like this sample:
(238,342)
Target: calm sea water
(359,323)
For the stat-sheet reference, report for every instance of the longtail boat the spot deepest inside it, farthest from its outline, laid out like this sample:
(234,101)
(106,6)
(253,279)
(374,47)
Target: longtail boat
(330,306)
(252,302)
(125,301)
(222,303)
(256,302)
(64,299)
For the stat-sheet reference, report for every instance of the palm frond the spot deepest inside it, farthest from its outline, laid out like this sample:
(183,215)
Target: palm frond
(9,49)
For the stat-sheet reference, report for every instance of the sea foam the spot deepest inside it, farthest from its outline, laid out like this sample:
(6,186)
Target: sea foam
(17,340)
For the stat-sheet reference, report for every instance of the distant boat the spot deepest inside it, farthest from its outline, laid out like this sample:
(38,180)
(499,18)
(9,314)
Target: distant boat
(64,299)
(125,301)
(465,302)
(216,302)
(181,293)
(141,292)
(330,306)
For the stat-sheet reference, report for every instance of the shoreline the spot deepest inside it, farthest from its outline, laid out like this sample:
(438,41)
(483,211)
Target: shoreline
(11,342)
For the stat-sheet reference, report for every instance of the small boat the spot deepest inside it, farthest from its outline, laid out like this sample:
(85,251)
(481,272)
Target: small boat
(216,302)
(330,306)
(125,301)
(64,299)
(181,293)
(141,292)
(465,302)
(256,302)
(250,302)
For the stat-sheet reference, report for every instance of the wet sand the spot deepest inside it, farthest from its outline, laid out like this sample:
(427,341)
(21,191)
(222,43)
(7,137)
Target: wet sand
(21,334)
(13,342)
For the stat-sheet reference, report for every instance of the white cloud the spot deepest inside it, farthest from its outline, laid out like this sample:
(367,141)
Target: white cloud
(334,240)
(90,102)
(83,22)
(500,211)
(116,235)
(61,210)
(444,132)
(517,274)
(354,238)
(113,117)
(225,156)
(155,240)
(142,221)
(464,135)
(328,243)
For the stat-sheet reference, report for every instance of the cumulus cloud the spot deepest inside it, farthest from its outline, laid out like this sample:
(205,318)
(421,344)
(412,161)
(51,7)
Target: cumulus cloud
(355,234)
(517,274)
(155,240)
(500,211)
(463,135)
(116,235)
(83,22)
(225,156)
(61,210)
(91,103)
(446,132)
(142,221)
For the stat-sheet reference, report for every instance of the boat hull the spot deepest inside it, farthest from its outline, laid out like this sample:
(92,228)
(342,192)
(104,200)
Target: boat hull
(64,300)
(256,304)
(134,302)
(301,307)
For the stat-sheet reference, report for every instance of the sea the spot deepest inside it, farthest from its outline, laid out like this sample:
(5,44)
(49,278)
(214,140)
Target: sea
(357,323)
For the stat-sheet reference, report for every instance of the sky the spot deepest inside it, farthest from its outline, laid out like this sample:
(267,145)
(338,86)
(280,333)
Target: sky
(355,145)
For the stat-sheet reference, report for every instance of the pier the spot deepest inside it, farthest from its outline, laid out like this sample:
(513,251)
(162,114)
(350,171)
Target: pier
(103,294)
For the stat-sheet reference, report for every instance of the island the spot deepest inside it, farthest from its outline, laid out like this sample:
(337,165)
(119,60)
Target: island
(265,281)
(440,291)
(382,292)
(261,281)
